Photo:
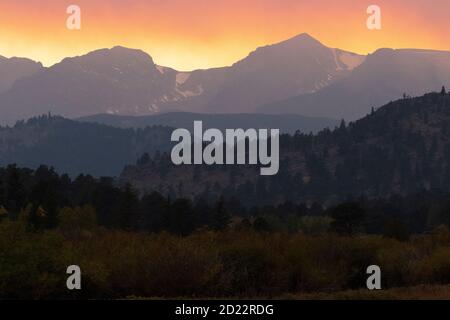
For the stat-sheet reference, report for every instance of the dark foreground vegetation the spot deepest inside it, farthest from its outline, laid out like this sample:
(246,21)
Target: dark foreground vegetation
(131,246)
(232,263)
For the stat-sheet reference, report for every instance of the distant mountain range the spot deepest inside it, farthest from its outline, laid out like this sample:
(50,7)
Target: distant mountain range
(299,75)
(288,123)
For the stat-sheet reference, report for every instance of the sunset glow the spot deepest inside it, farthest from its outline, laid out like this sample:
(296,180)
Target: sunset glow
(191,34)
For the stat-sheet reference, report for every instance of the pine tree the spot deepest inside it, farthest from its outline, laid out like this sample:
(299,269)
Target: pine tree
(443,91)
(221,218)
(15,190)
(127,208)
(348,217)
(2,193)
(3,211)
(145,159)
(261,225)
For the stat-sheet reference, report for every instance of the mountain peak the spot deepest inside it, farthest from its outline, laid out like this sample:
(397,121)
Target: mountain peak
(122,51)
(117,55)
(302,38)
(301,41)
(125,50)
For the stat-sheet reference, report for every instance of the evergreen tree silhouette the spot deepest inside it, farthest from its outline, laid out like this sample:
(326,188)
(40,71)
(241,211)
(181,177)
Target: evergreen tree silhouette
(221,218)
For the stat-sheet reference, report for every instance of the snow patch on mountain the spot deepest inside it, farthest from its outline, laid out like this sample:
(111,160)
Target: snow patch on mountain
(161,69)
(351,60)
(189,93)
(182,77)
(336,59)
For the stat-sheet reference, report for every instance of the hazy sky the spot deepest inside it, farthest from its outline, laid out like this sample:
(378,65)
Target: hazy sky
(189,34)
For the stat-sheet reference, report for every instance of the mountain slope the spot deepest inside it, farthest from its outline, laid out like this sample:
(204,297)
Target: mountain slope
(78,148)
(403,147)
(385,76)
(296,66)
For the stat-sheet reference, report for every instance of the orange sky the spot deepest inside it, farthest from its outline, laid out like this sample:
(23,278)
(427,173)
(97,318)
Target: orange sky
(190,34)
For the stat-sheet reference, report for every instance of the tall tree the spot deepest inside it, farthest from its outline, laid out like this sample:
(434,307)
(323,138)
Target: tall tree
(15,190)
(221,217)
(348,218)
(127,210)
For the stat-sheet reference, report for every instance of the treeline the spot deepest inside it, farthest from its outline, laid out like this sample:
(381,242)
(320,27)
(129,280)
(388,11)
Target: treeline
(43,196)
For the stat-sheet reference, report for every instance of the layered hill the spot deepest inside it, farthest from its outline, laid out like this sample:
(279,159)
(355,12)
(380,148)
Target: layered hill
(78,148)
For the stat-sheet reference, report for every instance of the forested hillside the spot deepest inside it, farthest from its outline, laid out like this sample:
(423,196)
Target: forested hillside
(72,147)
(403,147)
